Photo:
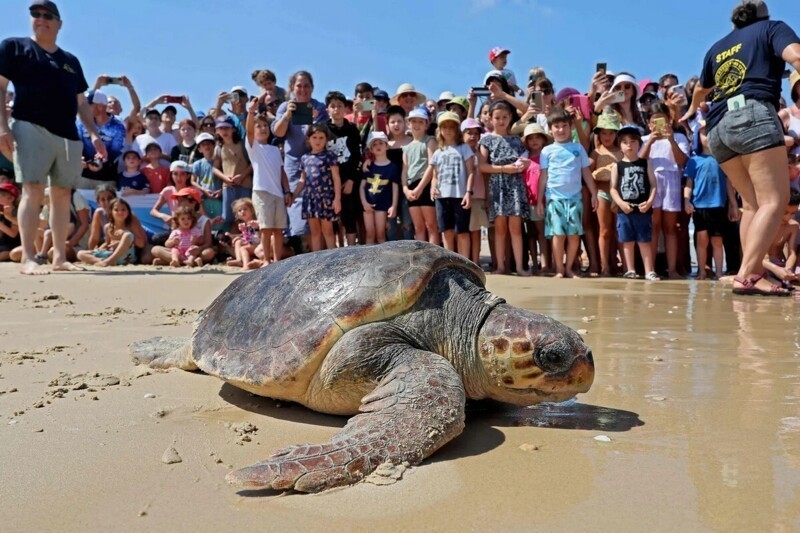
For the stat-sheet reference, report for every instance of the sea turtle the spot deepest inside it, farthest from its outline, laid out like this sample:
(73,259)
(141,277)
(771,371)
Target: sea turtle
(399,335)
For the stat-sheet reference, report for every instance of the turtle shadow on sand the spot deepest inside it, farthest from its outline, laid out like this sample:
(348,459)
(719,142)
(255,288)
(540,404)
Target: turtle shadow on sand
(289,411)
(574,416)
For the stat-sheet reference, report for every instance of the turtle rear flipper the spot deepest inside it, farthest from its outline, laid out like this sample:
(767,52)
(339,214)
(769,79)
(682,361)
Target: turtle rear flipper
(164,352)
(416,409)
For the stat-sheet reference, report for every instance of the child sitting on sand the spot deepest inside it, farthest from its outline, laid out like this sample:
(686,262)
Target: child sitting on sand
(9,231)
(782,258)
(245,242)
(184,241)
(104,194)
(118,246)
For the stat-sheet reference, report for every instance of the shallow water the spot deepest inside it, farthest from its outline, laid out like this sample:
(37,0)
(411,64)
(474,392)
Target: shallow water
(714,379)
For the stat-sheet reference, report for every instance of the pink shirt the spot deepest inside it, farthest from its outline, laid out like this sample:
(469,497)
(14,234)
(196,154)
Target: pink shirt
(532,180)
(185,237)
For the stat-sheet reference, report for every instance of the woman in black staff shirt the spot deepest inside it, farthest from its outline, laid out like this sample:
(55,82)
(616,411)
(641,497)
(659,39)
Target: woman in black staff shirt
(742,73)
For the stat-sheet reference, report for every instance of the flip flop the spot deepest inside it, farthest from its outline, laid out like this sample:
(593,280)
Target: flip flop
(749,287)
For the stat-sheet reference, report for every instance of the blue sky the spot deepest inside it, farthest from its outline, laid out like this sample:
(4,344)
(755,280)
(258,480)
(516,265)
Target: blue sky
(201,47)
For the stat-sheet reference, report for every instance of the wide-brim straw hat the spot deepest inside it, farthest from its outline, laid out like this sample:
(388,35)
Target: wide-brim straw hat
(407,88)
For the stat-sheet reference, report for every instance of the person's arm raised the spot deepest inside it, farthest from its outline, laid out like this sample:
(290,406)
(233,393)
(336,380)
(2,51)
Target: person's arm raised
(85,114)
(135,102)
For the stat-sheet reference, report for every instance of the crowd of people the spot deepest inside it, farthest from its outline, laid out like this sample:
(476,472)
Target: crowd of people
(603,182)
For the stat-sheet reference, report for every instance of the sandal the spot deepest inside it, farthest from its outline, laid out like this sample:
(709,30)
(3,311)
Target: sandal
(749,287)
(652,276)
(630,274)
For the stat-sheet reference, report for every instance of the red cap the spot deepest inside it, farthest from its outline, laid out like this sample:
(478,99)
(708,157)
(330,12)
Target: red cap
(191,192)
(496,52)
(10,188)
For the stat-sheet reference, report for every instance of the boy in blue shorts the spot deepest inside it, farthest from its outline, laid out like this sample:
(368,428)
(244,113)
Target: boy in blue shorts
(563,164)
(633,189)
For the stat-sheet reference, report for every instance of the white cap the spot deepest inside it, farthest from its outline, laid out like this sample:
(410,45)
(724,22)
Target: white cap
(625,78)
(376,136)
(204,137)
(180,165)
(446,95)
(99,98)
(239,89)
(418,112)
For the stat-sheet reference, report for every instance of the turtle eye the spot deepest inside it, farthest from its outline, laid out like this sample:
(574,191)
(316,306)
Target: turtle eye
(551,358)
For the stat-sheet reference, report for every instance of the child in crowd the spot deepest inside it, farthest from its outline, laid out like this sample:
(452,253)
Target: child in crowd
(634,189)
(204,178)
(379,189)
(157,174)
(398,138)
(131,181)
(184,241)
(498,57)
(104,194)
(782,259)
(504,158)
(186,150)
(345,144)
(667,153)
(246,240)
(118,248)
(192,198)
(416,181)
(231,167)
(9,230)
(271,193)
(471,130)
(564,164)
(535,139)
(153,134)
(705,194)
(452,174)
(604,157)
(321,188)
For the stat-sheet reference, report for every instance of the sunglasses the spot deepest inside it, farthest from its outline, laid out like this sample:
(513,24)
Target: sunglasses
(407,95)
(547,91)
(43,14)
(625,86)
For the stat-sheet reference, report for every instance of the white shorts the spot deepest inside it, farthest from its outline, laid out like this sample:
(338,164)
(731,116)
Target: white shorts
(478,217)
(270,210)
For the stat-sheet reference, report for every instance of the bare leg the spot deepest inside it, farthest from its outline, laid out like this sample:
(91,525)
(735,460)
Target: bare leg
(277,245)
(500,235)
(369,227)
(718,251)
(431,225)
(463,244)
(380,226)
(175,258)
(590,233)
(328,234)
(702,253)
(515,231)
(669,223)
(449,239)
(28,217)
(606,235)
(628,255)
(59,224)
(420,233)
(475,246)
(648,257)
(573,245)
(656,230)
(316,234)
(559,242)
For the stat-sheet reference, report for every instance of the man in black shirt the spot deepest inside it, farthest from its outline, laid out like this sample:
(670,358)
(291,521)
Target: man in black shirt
(43,139)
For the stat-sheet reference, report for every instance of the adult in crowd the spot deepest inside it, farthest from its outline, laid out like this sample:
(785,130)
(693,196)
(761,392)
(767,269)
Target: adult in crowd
(301,85)
(169,114)
(153,134)
(407,97)
(43,140)
(742,74)
(114,105)
(238,108)
(111,131)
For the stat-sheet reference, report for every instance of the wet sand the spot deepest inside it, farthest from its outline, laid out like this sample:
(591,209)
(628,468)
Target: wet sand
(697,390)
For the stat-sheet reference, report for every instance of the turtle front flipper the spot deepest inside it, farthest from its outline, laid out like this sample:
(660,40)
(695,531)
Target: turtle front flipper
(416,408)
(164,352)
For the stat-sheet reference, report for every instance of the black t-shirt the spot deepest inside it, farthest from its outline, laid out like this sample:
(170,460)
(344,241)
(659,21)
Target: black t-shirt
(188,154)
(345,144)
(633,184)
(46,85)
(746,62)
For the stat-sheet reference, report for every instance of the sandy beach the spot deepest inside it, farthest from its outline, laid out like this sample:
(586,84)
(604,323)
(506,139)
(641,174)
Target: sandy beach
(696,402)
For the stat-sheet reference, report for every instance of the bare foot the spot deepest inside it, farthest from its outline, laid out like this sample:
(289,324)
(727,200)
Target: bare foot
(159,262)
(32,268)
(702,277)
(66,266)
(523,273)
(174,263)
(559,275)
(674,275)
(234,263)
(572,275)
(198,261)
(499,272)
(252,265)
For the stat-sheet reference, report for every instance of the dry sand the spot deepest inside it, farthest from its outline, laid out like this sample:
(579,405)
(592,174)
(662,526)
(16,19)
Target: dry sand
(695,400)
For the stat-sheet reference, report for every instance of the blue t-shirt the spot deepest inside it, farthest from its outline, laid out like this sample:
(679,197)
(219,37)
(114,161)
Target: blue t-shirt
(137,182)
(564,163)
(112,133)
(378,185)
(46,86)
(451,170)
(710,183)
(203,171)
(746,62)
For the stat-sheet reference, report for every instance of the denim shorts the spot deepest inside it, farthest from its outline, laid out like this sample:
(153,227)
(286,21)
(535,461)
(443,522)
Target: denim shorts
(635,226)
(747,130)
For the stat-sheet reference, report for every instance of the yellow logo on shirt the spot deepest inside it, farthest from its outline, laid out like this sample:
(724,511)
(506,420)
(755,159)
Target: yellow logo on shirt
(728,78)
(729,52)
(69,69)
(377,184)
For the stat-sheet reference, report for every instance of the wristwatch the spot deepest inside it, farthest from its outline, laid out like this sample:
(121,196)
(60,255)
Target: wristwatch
(470,191)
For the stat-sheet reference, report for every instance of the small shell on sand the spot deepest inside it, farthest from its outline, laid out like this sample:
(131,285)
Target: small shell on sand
(171,456)
(602,438)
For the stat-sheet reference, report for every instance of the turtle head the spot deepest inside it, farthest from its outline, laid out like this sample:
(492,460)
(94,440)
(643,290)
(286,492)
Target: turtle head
(530,358)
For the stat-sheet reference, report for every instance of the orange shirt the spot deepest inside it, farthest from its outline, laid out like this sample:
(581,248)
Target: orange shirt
(158,178)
